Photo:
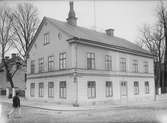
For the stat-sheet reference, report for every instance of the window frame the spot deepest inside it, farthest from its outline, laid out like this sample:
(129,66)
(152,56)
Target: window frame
(41,65)
(62,61)
(46,38)
(108,62)
(92,93)
(146,67)
(136,88)
(50,89)
(91,65)
(32,67)
(109,89)
(135,67)
(123,65)
(41,89)
(51,63)
(32,90)
(63,90)
(147,87)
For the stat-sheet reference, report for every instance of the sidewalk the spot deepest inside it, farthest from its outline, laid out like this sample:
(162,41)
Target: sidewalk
(61,107)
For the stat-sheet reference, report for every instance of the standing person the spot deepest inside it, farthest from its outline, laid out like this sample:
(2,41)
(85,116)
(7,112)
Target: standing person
(16,105)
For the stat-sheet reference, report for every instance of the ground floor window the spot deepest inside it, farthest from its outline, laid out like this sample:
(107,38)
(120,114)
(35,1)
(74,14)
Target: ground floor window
(136,88)
(109,90)
(32,89)
(63,89)
(123,88)
(147,87)
(41,89)
(51,89)
(91,89)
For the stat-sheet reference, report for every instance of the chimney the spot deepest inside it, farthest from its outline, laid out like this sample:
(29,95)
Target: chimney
(72,20)
(13,55)
(110,32)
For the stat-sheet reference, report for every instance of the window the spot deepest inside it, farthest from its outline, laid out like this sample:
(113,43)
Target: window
(135,66)
(109,91)
(136,88)
(41,65)
(124,88)
(145,67)
(147,87)
(50,63)
(46,38)
(91,61)
(32,66)
(32,89)
(122,64)
(63,89)
(51,89)
(41,89)
(91,89)
(108,62)
(62,61)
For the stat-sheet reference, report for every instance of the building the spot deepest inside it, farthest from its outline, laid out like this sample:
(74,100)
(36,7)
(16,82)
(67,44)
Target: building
(71,64)
(18,78)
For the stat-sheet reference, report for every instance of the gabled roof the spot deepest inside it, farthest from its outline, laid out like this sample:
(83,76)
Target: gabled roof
(91,35)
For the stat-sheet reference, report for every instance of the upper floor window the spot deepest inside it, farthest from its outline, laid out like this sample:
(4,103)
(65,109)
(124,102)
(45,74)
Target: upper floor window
(147,87)
(91,61)
(51,89)
(63,89)
(41,89)
(33,66)
(41,65)
(135,66)
(91,89)
(62,60)
(145,67)
(46,38)
(136,88)
(123,64)
(108,62)
(50,63)
(109,91)
(32,89)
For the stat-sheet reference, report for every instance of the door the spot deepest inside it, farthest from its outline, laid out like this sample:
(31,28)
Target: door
(123,91)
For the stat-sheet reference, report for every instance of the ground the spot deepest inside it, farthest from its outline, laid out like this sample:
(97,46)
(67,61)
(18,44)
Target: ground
(148,113)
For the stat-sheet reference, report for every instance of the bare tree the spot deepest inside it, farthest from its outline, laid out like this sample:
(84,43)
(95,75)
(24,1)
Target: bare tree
(25,24)
(6,37)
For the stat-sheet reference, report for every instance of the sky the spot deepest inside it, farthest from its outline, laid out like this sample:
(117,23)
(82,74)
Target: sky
(125,17)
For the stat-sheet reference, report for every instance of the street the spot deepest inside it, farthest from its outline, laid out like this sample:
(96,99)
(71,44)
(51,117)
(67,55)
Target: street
(154,113)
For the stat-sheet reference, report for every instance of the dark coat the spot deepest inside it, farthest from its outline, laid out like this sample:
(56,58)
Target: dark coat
(16,102)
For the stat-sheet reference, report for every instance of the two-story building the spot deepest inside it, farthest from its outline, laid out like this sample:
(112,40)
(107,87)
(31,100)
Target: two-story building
(75,65)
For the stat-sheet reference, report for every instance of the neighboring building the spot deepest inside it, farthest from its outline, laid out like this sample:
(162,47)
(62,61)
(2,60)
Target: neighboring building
(75,65)
(18,78)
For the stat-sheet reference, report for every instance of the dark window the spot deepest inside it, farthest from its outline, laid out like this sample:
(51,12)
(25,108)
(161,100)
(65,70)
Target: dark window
(108,62)
(91,89)
(135,66)
(46,38)
(63,89)
(51,89)
(145,67)
(41,65)
(122,64)
(62,61)
(32,89)
(136,88)
(109,89)
(91,61)
(41,89)
(32,66)
(50,63)
(147,90)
